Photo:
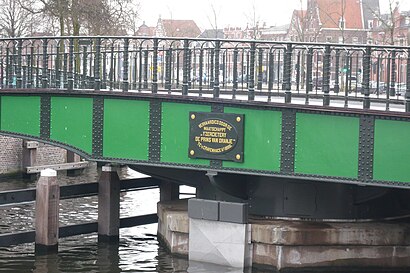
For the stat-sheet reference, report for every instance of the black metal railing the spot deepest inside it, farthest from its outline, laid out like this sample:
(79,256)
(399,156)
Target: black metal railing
(234,69)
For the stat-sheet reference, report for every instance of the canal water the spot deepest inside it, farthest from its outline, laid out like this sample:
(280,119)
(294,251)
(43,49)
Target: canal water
(137,251)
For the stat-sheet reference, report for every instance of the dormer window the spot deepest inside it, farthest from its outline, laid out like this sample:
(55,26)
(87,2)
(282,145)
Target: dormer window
(342,23)
(370,24)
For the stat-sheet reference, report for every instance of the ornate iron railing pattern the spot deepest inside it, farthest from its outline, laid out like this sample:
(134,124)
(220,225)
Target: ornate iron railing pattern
(234,69)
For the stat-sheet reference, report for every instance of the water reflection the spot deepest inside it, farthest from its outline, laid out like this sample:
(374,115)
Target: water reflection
(137,251)
(196,267)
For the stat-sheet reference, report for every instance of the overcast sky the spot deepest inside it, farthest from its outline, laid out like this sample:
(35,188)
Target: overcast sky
(229,12)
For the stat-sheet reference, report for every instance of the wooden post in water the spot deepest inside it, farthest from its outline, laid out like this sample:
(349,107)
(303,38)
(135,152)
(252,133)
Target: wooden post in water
(168,191)
(108,205)
(47,212)
(70,158)
(29,157)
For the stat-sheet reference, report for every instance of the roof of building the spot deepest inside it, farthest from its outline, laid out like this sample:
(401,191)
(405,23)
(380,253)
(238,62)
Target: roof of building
(145,30)
(212,33)
(331,12)
(180,28)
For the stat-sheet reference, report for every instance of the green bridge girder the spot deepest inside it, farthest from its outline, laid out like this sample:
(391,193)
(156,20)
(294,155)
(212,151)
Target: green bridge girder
(280,140)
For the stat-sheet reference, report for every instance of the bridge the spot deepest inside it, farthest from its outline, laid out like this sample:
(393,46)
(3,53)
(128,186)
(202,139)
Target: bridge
(294,129)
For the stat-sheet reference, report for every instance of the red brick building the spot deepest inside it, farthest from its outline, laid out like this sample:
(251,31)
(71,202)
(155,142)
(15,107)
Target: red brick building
(336,21)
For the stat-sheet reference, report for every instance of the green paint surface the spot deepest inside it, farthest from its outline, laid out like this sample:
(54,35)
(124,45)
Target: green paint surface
(21,115)
(126,129)
(391,150)
(327,145)
(71,121)
(175,132)
(262,139)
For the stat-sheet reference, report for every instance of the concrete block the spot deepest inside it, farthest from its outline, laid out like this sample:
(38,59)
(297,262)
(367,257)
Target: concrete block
(233,212)
(30,144)
(203,209)
(308,257)
(219,243)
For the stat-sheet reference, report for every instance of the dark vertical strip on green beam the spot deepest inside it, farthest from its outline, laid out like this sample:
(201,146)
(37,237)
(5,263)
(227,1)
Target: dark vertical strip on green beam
(155,113)
(287,159)
(98,121)
(216,108)
(366,148)
(45,116)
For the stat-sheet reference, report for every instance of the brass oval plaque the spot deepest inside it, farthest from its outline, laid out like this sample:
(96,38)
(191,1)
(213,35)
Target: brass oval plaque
(216,136)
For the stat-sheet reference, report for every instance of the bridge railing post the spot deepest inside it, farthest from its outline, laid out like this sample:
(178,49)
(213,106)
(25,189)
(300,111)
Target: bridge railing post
(146,52)
(337,72)
(47,212)
(65,65)
(235,73)
(192,68)
(185,68)
(19,79)
(251,69)
(309,74)
(270,73)
(111,76)
(8,66)
(71,65)
(125,64)
(140,68)
(57,66)
(366,78)
(201,70)
(168,68)
(97,64)
(260,69)
(326,76)
(393,74)
(84,72)
(298,71)
(407,96)
(216,87)
(346,84)
(287,76)
(104,69)
(155,67)
(212,68)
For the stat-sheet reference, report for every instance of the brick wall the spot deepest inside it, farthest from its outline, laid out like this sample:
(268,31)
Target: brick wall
(11,155)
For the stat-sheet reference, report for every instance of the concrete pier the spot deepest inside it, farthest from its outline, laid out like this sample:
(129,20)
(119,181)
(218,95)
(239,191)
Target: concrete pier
(295,244)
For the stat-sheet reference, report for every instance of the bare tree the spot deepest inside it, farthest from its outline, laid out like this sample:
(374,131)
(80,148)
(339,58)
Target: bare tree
(213,18)
(15,21)
(387,22)
(94,17)
(253,19)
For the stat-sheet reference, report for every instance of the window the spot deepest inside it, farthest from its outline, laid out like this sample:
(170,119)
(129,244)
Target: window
(401,41)
(342,23)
